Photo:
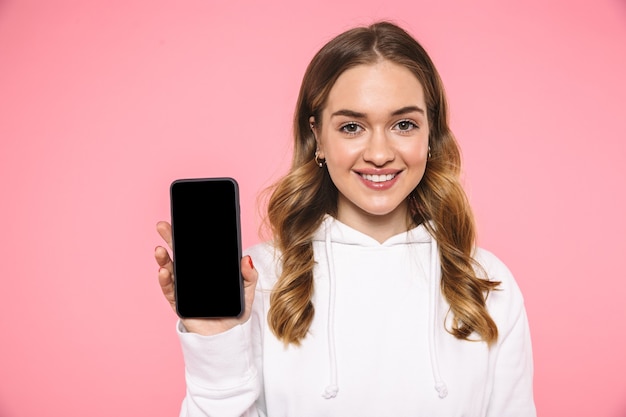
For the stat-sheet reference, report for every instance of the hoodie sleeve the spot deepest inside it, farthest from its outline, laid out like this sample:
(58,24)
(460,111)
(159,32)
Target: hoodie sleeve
(221,375)
(512,361)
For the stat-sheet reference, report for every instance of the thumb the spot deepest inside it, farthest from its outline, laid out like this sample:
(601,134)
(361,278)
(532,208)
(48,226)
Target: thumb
(249,273)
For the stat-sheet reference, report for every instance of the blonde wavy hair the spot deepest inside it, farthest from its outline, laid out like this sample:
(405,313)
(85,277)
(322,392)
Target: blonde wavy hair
(302,198)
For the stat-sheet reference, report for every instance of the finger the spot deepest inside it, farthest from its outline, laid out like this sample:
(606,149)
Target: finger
(250,277)
(165,231)
(250,274)
(166,282)
(162,256)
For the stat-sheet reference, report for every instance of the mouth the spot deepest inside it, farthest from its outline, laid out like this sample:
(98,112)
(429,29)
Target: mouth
(378,178)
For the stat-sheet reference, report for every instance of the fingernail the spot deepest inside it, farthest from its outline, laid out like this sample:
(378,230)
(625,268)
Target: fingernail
(250,262)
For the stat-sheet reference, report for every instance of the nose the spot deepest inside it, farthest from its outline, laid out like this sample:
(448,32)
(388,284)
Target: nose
(379,149)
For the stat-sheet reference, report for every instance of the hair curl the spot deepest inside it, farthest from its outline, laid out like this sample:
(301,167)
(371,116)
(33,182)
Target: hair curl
(301,199)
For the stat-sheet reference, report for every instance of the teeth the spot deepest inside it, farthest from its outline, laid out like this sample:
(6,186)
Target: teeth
(378,178)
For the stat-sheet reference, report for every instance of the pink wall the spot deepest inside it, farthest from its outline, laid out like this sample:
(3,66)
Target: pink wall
(103,103)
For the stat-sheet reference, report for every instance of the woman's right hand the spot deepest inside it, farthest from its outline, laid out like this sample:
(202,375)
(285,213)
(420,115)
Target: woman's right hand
(166,281)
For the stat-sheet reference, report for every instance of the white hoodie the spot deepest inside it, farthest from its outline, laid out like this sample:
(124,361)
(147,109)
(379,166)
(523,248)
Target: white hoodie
(377,345)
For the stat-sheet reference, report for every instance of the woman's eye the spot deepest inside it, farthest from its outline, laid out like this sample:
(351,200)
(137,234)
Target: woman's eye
(406,125)
(351,128)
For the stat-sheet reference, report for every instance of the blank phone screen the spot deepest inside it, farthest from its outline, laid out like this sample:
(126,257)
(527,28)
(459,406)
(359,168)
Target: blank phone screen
(207,247)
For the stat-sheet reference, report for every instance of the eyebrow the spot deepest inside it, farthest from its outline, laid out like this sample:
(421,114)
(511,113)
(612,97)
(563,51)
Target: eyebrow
(408,109)
(359,115)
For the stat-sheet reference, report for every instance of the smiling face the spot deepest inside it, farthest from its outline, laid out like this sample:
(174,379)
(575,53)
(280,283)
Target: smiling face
(374,137)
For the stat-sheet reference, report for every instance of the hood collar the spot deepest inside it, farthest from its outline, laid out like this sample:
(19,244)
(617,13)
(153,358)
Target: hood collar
(339,232)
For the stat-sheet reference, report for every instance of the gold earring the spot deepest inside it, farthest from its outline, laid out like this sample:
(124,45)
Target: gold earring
(320,162)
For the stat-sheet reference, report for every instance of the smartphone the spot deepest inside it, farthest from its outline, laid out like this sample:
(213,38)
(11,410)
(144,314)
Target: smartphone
(206,246)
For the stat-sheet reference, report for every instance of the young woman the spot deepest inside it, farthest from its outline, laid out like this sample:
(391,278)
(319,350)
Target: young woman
(372,299)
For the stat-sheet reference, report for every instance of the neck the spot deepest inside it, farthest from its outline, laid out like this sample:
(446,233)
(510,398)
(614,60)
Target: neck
(379,227)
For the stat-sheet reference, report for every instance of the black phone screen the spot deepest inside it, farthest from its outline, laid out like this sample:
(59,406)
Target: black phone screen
(206,243)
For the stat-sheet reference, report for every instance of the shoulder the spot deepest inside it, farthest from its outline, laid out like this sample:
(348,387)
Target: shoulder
(265,257)
(506,302)
(494,269)
(261,252)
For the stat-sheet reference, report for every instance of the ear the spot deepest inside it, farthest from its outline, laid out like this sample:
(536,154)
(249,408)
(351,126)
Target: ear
(314,127)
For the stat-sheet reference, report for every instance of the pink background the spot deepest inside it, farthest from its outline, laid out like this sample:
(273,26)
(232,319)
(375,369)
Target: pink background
(103,103)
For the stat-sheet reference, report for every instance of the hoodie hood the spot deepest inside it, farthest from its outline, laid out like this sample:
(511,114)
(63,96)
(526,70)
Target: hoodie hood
(333,231)
(339,232)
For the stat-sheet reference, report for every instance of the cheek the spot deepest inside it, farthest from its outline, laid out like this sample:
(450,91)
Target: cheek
(416,155)
(340,153)
(339,162)
(417,161)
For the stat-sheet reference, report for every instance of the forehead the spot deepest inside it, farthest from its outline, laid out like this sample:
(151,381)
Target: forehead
(380,87)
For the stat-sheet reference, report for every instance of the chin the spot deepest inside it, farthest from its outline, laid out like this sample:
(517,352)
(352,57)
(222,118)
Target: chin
(381,211)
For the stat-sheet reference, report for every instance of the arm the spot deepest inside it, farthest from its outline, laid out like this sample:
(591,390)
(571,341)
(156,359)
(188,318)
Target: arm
(221,357)
(512,393)
(511,360)
(221,374)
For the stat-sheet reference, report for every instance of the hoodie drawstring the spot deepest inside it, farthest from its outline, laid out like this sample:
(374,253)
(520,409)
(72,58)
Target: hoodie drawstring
(435,280)
(331,390)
